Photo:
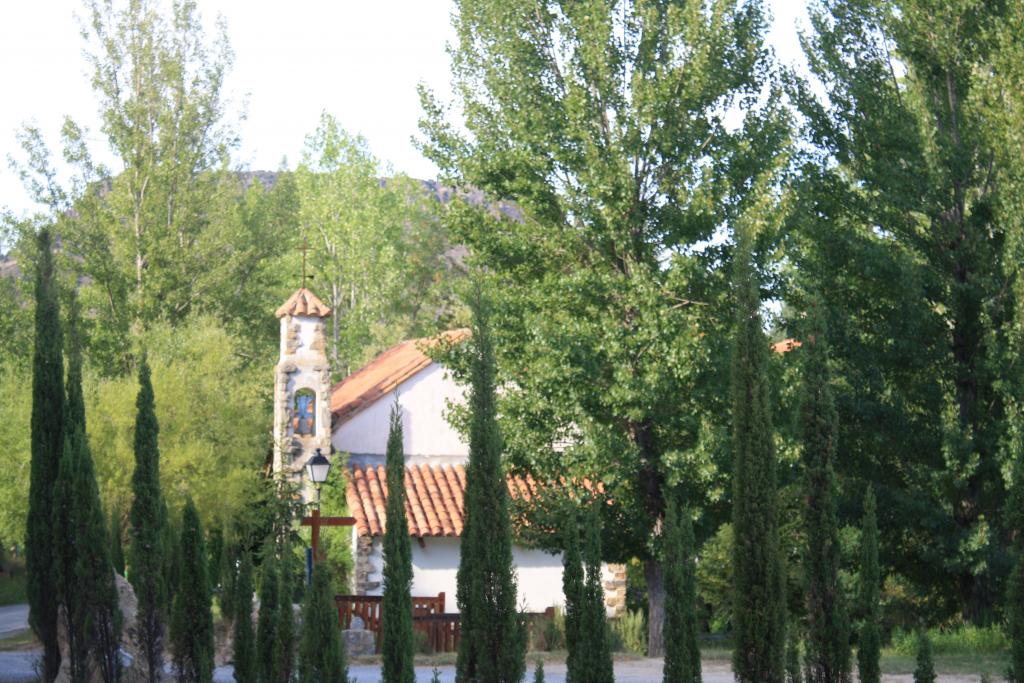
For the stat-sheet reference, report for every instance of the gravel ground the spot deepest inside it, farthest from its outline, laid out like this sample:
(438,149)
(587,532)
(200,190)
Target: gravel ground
(18,667)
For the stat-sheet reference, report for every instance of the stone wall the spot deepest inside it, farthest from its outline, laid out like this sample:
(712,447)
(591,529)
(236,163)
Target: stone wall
(615,589)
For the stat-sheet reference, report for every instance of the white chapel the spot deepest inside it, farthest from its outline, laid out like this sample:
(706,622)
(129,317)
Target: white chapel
(349,421)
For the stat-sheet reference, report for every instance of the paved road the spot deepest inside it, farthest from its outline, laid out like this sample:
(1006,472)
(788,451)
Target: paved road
(13,619)
(19,667)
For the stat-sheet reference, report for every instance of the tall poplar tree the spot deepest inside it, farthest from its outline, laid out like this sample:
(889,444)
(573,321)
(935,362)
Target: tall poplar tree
(682,653)
(758,588)
(869,640)
(827,659)
(147,554)
(321,652)
(244,660)
(48,423)
(396,640)
(903,202)
(492,648)
(601,124)
(192,618)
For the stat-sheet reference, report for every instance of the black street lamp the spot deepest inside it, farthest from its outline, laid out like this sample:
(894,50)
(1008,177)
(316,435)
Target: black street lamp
(318,467)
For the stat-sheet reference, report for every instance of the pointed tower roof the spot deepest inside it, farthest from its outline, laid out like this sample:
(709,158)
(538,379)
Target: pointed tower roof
(304,303)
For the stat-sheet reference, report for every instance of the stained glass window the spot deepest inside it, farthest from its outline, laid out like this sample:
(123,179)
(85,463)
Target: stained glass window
(304,415)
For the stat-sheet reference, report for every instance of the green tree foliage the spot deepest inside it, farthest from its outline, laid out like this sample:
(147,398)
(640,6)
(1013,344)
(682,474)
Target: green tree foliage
(593,627)
(682,654)
(192,617)
(601,124)
(212,412)
(828,639)
(573,580)
(869,640)
(266,626)
(924,672)
(147,552)
(538,672)
(48,422)
(378,251)
(758,599)
(396,630)
(900,200)
(245,640)
(321,653)
(492,648)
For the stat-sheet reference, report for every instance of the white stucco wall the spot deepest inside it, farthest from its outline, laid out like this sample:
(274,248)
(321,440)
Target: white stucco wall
(423,398)
(307,325)
(436,564)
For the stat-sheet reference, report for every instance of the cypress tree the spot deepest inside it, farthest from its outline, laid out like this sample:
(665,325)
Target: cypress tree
(594,624)
(284,646)
(116,544)
(792,657)
(321,654)
(538,672)
(573,590)
(266,627)
(493,644)
(869,642)
(192,618)
(47,434)
(682,654)
(147,553)
(924,672)
(245,645)
(396,629)
(828,638)
(65,550)
(758,595)
(90,597)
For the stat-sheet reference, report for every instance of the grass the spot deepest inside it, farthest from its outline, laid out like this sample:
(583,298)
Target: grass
(19,642)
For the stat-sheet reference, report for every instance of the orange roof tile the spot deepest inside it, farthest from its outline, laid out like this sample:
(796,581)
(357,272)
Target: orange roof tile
(304,302)
(384,373)
(434,497)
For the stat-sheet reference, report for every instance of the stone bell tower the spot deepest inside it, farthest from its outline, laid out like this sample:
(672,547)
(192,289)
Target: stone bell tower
(302,386)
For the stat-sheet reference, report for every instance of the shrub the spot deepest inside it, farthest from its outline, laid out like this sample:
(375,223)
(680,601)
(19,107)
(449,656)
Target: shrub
(962,639)
(548,634)
(630,632)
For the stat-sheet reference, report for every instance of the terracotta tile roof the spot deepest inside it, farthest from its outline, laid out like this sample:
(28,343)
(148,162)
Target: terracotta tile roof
(434,498)
(385,372)
(304,302)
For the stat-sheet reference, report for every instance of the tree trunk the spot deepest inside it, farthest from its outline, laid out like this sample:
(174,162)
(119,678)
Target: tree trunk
(655,607)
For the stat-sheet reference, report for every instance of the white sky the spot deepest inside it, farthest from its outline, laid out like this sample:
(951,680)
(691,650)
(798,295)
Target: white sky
(358,60)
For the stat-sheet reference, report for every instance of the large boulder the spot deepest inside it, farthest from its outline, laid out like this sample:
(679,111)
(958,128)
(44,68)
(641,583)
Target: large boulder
(133,669)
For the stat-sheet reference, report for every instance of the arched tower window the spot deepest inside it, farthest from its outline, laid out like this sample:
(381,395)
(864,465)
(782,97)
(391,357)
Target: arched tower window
(304,412)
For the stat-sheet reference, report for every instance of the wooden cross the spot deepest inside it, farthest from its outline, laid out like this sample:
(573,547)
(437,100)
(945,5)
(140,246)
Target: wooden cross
(316,521)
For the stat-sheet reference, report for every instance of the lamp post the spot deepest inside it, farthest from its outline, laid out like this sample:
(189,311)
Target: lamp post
(317,467)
